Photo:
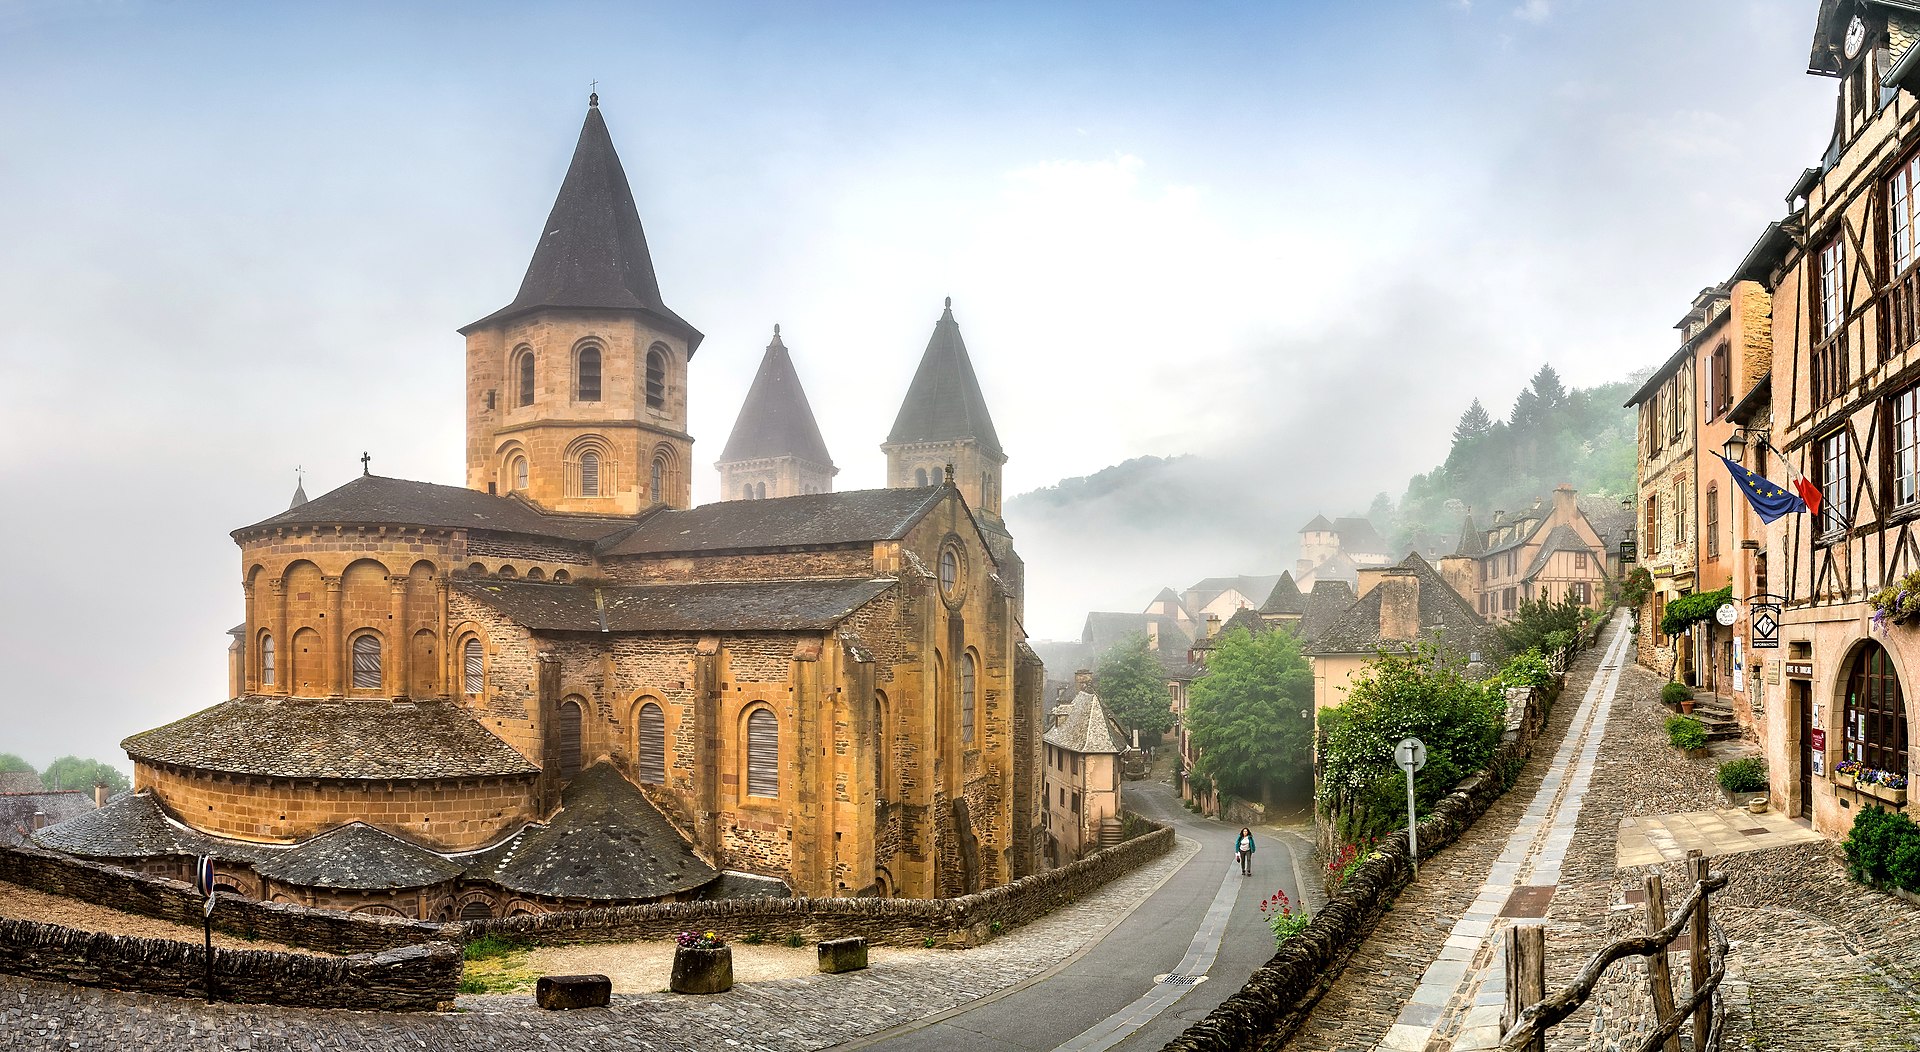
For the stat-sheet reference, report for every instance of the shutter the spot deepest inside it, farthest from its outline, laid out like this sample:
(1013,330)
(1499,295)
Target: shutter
(763,754)
(366,663)
(569,739)
(476,670)
(589,474)
(266,660)
(653,745)
(966,697)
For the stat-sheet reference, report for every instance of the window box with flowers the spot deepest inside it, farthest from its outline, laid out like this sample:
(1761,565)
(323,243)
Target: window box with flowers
(702,964)
(1844,773)
(1897,604)
(1884,786)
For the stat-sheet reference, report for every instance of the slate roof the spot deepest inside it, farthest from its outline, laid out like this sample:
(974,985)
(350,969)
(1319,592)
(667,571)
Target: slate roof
(812,520)
(733,885)
(1328,600)
(775,419)
(18,808)
(20,782)
(1106,629)
(1472,541)
(1248,618)
(1252,586)
(752,606)
(1318,524)
(331,739)
(944,402)
(1359,537)
(1441,610)
(1286,597)
(1336,567)
(377,500)
(607,842)
(1086,728)
(1532,519)
(1611,519)
(132,825)
(592,251)
(357,856)
(1561,538)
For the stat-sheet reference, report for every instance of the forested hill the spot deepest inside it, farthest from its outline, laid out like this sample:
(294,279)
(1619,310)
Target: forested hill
(1551,435)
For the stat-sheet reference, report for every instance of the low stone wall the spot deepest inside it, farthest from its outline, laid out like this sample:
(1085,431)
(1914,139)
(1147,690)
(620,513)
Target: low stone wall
(964,921)
(1278,997)
(410,979)
(166,899)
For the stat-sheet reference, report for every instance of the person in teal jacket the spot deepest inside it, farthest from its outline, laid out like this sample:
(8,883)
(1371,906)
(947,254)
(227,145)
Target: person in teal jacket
(1243,851)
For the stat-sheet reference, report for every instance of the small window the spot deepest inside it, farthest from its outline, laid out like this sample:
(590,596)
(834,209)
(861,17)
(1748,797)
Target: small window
(1831,460)
(1832,287)
(760,491)
(589,474)
(763,754)
(656,379)
(949,572)
(967,696)
(474,668)
(659,490)
(519,474)
(652,726)
(1906,448)
(366,662)
(920,477)
(266,660)
(1713,521)
(525,370)
(746,492)
(1903,210)
(1580,560)
(571,741)
(586,385)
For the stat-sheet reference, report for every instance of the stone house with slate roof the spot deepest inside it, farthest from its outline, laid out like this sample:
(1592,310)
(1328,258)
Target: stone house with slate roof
(1335,550)
(1545,552)
(561,685)
(1398,608)
(1081,777)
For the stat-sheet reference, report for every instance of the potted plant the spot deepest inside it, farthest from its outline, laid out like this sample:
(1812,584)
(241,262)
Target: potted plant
(1845,772)
(1688,735)
(1897,603)
(702,964)
(1678,694)
(1884,785)
(1743,781)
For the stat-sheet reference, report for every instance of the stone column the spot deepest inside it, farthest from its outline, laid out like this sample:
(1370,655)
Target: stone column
(249,646)
(706,745)
(393,667)
(277,627)
(452,663)
(342,663)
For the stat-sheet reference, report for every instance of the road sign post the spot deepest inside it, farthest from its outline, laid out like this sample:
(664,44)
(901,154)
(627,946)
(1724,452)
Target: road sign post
(1411,755)
(203,874)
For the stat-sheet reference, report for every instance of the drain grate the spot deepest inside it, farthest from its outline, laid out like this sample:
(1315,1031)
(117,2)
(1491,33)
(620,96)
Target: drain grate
(1176,979)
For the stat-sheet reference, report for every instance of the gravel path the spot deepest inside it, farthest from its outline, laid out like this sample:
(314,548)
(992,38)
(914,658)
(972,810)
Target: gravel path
(20,903)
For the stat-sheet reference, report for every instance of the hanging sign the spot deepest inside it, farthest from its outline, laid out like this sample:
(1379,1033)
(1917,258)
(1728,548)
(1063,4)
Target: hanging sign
(1766,626)
(1727,615)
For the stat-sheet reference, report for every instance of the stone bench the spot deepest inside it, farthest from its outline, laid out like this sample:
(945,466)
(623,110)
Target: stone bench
(559,992)
(843,955)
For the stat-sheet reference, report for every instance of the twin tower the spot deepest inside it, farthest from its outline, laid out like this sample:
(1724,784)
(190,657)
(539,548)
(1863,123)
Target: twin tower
(577,390)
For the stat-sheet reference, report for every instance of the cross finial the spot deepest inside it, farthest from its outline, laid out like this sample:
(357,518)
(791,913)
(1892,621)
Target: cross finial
(776,330)
(366,459)
(949,302)
(299,474)
(593,93)
(949,474)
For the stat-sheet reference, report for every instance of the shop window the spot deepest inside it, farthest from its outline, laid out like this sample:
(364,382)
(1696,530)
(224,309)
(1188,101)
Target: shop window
(1876,714)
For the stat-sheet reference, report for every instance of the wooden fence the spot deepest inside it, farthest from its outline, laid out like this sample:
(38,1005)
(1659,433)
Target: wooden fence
(1530,1013)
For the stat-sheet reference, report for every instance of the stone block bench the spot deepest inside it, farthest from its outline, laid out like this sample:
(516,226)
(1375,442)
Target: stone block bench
(843,955)
(560,992)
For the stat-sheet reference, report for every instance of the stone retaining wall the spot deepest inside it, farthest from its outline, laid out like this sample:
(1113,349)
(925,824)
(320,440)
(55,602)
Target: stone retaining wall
(410,979)
(964,921)
(1278,997)
(172,900)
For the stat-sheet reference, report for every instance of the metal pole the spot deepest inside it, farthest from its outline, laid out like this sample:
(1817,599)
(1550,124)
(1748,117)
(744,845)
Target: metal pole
(209,933)
(1413,831)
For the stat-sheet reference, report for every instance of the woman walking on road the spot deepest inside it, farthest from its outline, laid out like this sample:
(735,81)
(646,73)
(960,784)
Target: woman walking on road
(1243,851)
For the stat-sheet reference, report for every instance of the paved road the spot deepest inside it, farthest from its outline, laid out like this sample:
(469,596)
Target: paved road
(1107,996)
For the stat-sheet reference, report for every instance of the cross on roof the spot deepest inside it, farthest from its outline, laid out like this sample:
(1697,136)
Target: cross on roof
(365,460)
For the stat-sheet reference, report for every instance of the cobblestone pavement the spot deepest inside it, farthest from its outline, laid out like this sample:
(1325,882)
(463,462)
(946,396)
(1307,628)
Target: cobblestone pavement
(780,1016)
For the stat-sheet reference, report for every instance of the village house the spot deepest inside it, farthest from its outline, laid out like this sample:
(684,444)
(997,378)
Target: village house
(1081,778)
(1336,550)
(1398,609)
(1548,551)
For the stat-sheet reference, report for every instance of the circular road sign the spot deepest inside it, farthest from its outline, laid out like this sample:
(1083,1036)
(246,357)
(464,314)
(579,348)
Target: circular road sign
(1410,754)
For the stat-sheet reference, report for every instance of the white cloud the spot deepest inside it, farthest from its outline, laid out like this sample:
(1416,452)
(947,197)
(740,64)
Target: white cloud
(1535,11)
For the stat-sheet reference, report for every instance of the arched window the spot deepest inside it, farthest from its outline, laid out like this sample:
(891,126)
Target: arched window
(586,375)
(561,577)
(746,491)
(763,754)
(570,743)
(920,477)
(1876,713)
(882,749)
(966,697)
(659,491)
(651,756)
(266,660)
(524,367)
(473,676)
(366,662)
(657,378)
(518,473)
(589,474)
(536,574)
(760,491)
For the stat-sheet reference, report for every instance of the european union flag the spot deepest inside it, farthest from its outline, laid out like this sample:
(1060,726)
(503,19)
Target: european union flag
(1770,501)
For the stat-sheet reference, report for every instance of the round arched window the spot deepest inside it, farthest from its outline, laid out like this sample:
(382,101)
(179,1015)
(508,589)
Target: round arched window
(950,573)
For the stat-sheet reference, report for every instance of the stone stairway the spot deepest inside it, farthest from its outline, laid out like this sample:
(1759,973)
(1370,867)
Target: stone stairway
(1717,714)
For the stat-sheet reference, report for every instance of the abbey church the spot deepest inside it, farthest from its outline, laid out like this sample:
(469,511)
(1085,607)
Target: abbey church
(563,685)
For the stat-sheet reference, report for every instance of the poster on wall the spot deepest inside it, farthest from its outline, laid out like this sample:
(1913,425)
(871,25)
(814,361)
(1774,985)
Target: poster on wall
(1739,667)
(1817,746)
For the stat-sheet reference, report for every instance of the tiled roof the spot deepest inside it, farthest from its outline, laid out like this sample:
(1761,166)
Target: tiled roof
(132,825)
(770,606)
(1105,630)
(607,842)
(1611,519)
(1286,597)
(1358,536)
(372,500)
(808,521)
(1442,611)
(20,782)
(733,885)
(1318,524)
(314,739)
(1472,541)
(18,808)
(1328,600)
(592,251)
(944,402)
(775,419)
(1086,728)
(1561,539)
(357,856)
(1248,618)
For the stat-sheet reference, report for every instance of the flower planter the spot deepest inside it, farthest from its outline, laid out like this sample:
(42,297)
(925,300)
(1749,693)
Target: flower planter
(1758,805)
(1896,797)
(1686,706)
(697,971)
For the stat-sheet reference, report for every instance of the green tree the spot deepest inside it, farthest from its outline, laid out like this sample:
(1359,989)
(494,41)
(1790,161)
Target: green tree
(1536,619)
(71,772)
(1133,687)
(1244,715)
(1424,695)
(10,763)
(1473,424)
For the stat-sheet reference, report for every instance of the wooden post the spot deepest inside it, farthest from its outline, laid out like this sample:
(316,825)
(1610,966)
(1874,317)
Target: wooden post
(1697,950)
(1657,971)
(1526,977)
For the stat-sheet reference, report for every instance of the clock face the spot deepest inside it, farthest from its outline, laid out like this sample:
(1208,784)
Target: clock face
(1856,36)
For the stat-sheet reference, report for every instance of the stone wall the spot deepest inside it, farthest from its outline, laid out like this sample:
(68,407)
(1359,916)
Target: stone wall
(176,901)
(1281,993)
(409,979)
(967,920)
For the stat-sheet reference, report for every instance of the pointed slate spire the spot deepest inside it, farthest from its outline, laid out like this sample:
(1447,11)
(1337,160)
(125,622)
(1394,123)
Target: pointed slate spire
(299,493)
(944,402)
(593,252)
(1472,542)
(1285,598)
(776,420)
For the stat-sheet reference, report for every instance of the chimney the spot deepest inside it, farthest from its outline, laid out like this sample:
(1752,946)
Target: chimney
(1563,498)
(39,820)
(1213,626)
(1499,517)
(1369,578)
(1399,606)
(100,795)
(1083,681)
(1153,636)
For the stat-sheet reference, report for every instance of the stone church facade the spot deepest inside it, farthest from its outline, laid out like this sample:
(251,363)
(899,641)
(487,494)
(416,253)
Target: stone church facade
(437,687)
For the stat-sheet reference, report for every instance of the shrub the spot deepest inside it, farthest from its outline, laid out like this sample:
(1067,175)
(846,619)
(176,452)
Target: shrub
(1686,733)
(1748,774)
(490,946)
(1883,848)
(1535,620)
(1691,609)
(1282,919)
(753,938)
(1676,692)
(1526,669)
(794,940)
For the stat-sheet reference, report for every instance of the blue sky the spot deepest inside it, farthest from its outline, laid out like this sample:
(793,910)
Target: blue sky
(239,237)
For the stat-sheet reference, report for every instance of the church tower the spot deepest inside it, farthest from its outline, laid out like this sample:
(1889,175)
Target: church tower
(775,449)
(577,390)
